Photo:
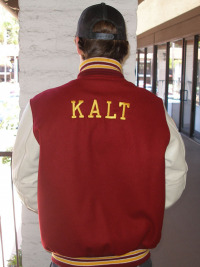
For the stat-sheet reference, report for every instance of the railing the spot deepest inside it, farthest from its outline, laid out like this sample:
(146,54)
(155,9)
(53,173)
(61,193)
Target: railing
(9,154)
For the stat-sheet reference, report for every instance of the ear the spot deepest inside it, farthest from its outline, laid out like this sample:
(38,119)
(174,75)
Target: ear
(79,51)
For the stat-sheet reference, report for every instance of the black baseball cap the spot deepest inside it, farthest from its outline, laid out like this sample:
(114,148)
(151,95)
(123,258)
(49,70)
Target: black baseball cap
(101,12)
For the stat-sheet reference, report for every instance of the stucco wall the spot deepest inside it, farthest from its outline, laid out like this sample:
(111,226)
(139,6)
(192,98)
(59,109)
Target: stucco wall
(47,59)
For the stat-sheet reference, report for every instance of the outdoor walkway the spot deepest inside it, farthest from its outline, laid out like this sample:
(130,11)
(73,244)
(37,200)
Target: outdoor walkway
(180,244)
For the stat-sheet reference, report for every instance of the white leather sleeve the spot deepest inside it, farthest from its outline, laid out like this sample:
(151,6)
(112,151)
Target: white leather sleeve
(175,165)
(25,161)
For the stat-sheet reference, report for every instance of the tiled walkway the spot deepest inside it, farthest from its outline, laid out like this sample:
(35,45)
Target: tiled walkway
(180,244)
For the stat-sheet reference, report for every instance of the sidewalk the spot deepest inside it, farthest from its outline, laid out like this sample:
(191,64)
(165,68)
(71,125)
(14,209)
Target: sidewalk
(180,243)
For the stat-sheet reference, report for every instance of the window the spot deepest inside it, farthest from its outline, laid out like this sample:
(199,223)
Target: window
(187,85)
(197,106)
(141,68)
(161,71)
(149,68)
(174,88)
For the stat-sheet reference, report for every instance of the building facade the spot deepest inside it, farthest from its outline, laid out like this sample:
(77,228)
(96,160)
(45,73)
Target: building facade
(168,64)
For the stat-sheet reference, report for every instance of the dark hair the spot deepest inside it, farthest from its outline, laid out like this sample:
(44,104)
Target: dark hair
(115,49)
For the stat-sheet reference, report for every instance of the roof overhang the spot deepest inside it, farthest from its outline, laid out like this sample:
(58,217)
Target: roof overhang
(183,26)
(11,5)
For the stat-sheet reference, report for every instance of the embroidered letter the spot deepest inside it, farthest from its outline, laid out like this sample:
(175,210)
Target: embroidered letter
(77,107)
(124,105)
(108,116)
(94,110)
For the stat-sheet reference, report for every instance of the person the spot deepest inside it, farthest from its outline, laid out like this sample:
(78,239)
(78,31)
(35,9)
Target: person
(98,158)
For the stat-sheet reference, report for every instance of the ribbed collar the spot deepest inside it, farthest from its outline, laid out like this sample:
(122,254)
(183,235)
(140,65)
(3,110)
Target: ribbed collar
(100,63)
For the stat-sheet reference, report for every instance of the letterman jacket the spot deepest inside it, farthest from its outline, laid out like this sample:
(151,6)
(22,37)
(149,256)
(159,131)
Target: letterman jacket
(105,152)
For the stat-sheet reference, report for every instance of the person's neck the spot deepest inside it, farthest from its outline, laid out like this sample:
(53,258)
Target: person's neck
(81,59)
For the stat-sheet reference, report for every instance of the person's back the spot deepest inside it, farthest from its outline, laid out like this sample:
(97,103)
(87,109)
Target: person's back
(103,161)
(103,152)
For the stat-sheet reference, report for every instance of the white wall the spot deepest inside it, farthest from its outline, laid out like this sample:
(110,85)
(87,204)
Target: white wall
(48,59)
(154,12)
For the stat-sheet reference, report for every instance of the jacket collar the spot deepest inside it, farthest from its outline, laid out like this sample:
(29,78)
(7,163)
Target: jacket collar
(100,63)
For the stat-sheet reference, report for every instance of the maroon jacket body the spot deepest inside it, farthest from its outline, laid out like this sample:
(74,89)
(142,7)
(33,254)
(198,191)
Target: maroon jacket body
(101,179)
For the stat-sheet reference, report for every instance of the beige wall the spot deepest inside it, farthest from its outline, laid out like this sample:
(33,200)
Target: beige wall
(154,12)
